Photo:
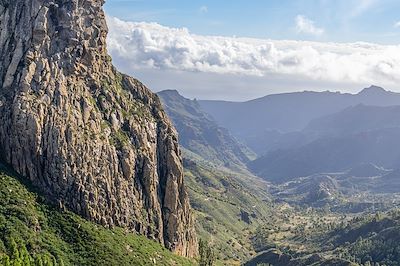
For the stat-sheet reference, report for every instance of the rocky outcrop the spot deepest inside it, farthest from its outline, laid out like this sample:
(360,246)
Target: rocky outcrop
(93,140)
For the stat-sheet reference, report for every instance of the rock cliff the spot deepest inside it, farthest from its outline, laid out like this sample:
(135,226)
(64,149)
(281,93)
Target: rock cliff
(93,140)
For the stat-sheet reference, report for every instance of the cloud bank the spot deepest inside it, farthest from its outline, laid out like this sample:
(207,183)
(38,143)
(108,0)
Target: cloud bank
(150,46)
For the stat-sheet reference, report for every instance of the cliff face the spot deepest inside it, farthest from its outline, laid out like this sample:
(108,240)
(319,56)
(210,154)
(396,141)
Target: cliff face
(93,140)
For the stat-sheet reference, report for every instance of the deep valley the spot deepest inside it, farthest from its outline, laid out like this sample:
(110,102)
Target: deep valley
(328,190)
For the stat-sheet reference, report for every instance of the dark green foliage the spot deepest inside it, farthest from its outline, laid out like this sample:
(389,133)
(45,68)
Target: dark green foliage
(371,239)
(206,254)
(260,241)
(19,256)
(34,233)
(363,239)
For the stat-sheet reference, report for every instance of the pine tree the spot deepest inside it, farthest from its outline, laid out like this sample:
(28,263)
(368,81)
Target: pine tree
(15,256)
(38,261)
(24,256)
(207,256)
(5,261)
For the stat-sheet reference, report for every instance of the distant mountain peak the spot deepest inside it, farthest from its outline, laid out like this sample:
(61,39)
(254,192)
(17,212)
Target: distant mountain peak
(373,90)
(170,92)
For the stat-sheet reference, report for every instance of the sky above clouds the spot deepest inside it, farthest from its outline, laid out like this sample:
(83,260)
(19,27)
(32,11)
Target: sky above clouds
(234,50)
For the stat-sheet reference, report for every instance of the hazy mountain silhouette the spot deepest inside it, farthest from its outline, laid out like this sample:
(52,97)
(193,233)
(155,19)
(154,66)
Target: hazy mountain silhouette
(355,119)
(352,137)
(262,122)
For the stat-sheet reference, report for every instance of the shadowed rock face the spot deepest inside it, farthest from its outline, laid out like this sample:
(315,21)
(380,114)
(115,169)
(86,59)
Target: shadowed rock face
(93,140)
(199,133)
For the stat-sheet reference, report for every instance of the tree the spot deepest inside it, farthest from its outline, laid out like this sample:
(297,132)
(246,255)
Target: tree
(38,261)
(5,261)
(24,256)
(207,256)
(15,256)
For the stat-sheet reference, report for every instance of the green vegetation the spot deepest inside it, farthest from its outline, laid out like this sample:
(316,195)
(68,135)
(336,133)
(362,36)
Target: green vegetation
(206,254)
(370,239)
(228,206)
(119,139)
(35,233)
(303,236)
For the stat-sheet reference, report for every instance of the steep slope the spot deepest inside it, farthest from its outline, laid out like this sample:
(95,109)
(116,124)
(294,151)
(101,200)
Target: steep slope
(35,233)
(93,140)
(229,206)
(199,133)
(254,121)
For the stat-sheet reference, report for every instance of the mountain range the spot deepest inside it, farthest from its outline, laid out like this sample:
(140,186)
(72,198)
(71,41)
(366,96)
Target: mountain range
(305,133)
(335,132)
(336,143)
(262,122)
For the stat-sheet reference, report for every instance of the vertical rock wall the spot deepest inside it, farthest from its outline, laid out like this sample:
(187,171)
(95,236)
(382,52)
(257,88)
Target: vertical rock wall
(93,140)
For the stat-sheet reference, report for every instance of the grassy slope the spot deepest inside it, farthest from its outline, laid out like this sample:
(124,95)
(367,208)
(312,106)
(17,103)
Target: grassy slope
(28,223)
(218,197)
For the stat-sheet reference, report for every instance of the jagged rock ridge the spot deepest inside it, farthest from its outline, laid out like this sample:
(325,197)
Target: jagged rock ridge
(92,139)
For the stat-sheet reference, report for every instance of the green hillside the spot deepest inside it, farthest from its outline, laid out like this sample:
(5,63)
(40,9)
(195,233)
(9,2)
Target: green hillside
(316,238)
(35,233)
(229,207)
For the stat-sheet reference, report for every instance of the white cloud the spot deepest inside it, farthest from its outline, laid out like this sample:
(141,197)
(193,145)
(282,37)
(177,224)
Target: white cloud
(203,9)
(139,46)
(305,25)
(397,24)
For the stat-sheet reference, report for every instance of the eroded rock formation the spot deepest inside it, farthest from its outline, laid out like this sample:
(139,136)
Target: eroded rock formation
(93,140)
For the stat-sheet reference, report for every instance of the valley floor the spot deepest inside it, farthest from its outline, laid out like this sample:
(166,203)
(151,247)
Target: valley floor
(247,220)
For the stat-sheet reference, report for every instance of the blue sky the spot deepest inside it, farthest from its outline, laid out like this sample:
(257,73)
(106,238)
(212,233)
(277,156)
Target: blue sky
(199,47)
(338,20)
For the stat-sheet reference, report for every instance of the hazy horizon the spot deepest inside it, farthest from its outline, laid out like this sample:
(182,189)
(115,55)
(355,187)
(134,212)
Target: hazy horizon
(266,95)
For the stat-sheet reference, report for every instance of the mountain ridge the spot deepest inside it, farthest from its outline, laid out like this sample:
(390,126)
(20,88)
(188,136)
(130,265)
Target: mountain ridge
(357,135)
(199,133)
(287,112)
